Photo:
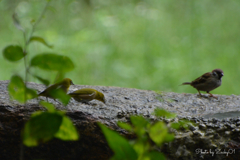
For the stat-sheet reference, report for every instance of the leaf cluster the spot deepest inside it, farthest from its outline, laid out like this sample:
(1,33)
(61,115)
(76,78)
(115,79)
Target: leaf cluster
(150,136)
(42,126)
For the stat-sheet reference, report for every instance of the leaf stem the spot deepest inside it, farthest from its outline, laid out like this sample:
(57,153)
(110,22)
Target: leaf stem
(26,43)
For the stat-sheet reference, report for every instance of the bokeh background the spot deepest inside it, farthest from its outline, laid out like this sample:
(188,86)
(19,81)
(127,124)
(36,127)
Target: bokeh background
(151,45)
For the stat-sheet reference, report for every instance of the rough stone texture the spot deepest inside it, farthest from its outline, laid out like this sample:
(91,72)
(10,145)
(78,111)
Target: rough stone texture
(210,134)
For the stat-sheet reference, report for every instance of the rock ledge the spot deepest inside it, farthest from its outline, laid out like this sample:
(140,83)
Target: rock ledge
(217,130)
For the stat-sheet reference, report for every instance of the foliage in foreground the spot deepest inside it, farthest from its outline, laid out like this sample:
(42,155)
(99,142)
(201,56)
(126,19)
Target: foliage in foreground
(150,136)
(42,126)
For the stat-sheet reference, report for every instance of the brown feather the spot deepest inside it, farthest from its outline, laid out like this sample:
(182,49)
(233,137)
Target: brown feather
(207,82)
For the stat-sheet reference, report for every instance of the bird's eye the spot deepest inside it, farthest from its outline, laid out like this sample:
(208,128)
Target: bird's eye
(214,73)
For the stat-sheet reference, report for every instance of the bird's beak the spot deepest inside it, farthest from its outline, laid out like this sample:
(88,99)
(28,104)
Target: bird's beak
(222,74)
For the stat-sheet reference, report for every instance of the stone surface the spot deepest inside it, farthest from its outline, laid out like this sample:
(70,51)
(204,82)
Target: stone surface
(217,128)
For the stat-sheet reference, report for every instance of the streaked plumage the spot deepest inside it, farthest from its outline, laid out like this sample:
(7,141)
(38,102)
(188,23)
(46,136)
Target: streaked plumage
(207,82)
(87,94)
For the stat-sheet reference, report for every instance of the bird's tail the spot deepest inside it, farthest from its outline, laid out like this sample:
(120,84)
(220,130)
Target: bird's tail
(186,83)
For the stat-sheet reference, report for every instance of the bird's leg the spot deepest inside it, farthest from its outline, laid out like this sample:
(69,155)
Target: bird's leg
(199,93)
(212,95)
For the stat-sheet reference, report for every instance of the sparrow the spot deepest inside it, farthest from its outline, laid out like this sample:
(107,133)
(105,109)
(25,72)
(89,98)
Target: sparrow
(63,85)
(87,94)
(207,82)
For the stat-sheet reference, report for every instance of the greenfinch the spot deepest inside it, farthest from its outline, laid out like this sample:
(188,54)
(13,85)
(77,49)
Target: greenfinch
(87,94)
(63,85)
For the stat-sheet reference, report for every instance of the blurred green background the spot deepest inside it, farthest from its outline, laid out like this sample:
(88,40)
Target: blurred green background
(151,45)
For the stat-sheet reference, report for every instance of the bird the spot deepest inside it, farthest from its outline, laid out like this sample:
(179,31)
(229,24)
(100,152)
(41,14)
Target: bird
(63,85)
(86,95)
(207,82)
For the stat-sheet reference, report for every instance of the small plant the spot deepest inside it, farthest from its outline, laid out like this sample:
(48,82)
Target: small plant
(150,135)
(42,126)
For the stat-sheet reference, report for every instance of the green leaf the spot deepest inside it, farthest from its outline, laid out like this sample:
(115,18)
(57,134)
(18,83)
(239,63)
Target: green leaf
(140,124)
(41,128)
(54,62)
(185,123)
(44,81)
(60,76)
(13,53)
(154,156)
(50,107)
(175,125)
(17,90)
(169,137)
(158,132)
(30,93)
(67,130)
(139,121)
(141,146)
(120,146)
(36,113)
(125,126)
(61,95)
(41,40)
(163,113)
(182,123)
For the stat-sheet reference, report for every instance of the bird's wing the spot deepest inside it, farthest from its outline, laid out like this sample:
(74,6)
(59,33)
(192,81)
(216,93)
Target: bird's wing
(83,93)
(202,79)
